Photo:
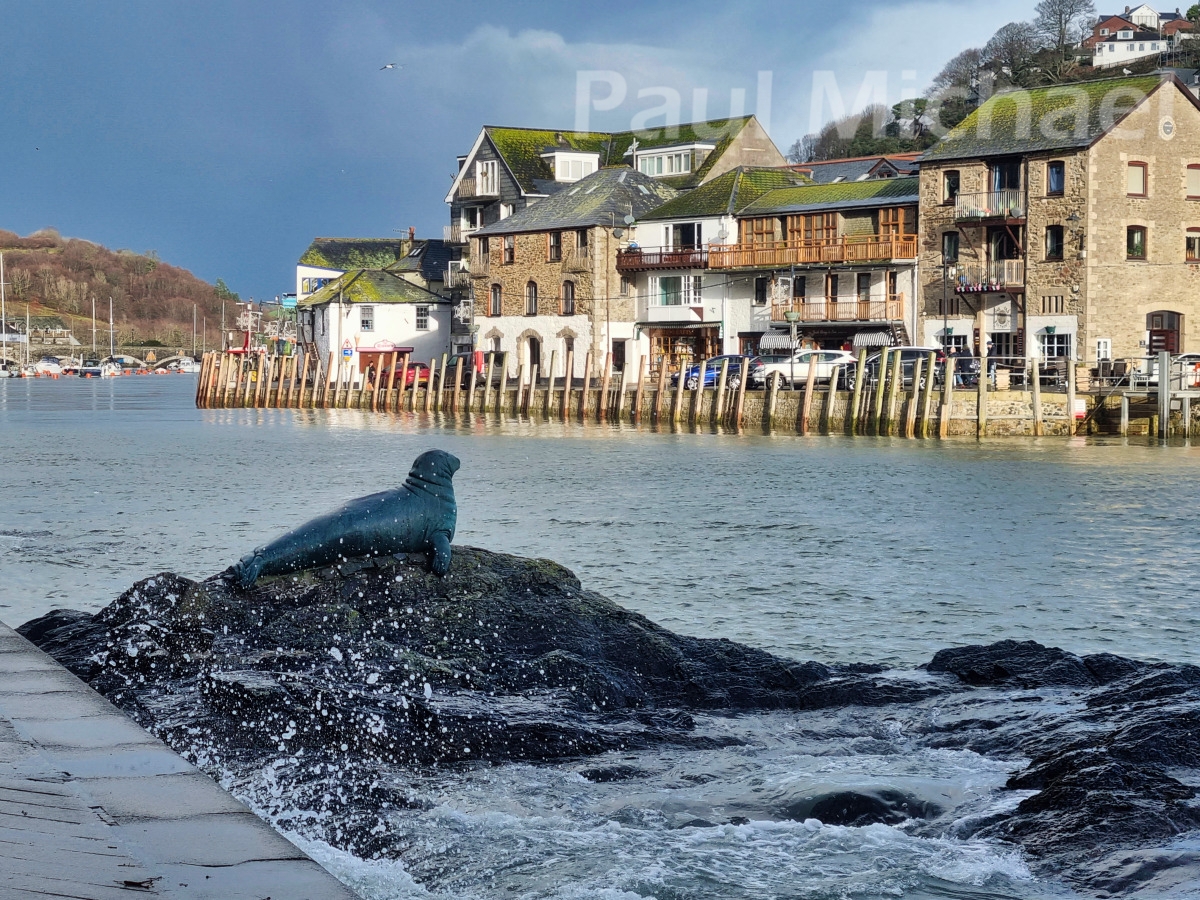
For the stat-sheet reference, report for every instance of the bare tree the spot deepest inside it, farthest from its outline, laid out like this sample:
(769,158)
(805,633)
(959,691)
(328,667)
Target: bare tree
(958,73)
(801,150)
(1064,23)
(1010,52)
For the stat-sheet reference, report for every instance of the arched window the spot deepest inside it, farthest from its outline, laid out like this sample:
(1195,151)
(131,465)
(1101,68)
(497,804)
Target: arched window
(568,298)
(497,301)
(531,299)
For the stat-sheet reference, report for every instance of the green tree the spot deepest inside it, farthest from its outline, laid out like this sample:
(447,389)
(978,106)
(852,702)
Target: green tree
(223,291)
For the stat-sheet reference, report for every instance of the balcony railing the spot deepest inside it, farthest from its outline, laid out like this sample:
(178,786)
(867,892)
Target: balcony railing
(822,309)
(457,278)
(466,189)
(577,261)
(481,266)
(452,234)
(642,260)
(847,249)
(1009,204)
(998,275)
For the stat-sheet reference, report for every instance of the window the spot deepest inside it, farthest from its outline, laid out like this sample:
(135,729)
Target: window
(1135,242)
(1054,242)
(555,251)
(831,286)
(487,181)
(799,287)
(950,181)
(626,285)
(758,231)
(948,306)
(1193,182)
(510,249)
(470,217)
(506,210)
(950,247)
(1192,250)
(495,345)
(1056,178)
(760,291)
(1135,179)
(667,164)
(531,299)
(366,318)
(497,301)
(568,298)
(685,290)
(1053,306)
(1056,346)
(1104,32)
(1103,348)
(1004,344)
(422,318)
(581,242)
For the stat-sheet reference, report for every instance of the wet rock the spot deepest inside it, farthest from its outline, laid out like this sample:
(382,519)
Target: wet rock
(860,808)
(1024,664)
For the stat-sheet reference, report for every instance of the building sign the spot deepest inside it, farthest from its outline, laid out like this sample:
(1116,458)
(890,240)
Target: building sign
(384,345)
(347,348)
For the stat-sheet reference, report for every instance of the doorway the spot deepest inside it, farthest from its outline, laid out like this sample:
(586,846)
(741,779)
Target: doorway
(535,353)
(1166,330)
(618,352)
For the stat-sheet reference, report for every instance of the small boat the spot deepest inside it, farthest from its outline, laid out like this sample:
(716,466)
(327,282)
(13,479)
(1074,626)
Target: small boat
(48,365)
(188,366)
(90,368)
(110,369)
(4,372)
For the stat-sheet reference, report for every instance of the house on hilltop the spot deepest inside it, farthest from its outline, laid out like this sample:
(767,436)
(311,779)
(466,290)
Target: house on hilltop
(1065,221)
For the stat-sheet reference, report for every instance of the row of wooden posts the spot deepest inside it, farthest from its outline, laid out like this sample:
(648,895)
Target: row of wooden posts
(891,404)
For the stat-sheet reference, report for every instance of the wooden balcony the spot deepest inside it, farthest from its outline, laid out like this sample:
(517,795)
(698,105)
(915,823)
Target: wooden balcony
(457,278)
(639,260)
(823,309)
(1005,206)
(998,275)
(576,262)
(849,249)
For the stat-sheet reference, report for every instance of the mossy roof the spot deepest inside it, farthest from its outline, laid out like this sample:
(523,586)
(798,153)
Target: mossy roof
(842,195)
(1061,117)
(522,148)
(602,198)
(429,257)
(351,253)
(370,286)
(728,193)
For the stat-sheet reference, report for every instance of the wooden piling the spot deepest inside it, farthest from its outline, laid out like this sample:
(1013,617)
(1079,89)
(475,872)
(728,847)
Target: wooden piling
(914,396)
(1036,395)
(1124,415)
(772,399)
(503,383)
(698,393)
(636,415)
(716,414)
(741,397)
(220,386)
(947,409)
(516,409)
(809,383)
(489,371)
(587,383)
(622,386)
(927,394)
(326,381)
(391,381)
(564,406)
(877,395)
(205,363)
(238,395)
(606,379)
(860,371)
(894,388)
(456,387)
(471,388)
(529,398)
(677,405)
(550,384)
(658,392)
(433,364)
(294,370)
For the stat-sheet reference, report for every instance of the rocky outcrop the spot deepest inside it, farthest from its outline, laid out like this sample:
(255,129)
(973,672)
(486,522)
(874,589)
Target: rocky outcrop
(377,663)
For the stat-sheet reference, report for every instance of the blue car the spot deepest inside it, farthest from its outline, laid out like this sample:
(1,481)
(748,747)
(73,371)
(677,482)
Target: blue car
(712,372)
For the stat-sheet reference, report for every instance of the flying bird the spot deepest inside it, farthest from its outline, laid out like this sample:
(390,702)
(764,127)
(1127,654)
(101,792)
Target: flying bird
(390,66)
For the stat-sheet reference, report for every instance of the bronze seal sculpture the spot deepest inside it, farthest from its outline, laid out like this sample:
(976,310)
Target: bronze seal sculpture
(417,517)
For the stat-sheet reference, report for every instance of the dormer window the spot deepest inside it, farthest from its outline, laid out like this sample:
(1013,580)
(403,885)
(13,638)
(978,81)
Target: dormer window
(678,160)
(1104,32)
(487,180)
(570,165)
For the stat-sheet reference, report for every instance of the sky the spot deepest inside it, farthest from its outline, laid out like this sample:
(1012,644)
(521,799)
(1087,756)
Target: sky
(225,136)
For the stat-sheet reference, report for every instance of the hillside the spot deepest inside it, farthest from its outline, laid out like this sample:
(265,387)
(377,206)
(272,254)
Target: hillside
(50,275)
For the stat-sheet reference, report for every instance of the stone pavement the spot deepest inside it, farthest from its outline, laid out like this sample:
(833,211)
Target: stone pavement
(94,808)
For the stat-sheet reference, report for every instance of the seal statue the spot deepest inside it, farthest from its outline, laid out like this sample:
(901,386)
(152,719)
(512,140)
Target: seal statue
(419,516)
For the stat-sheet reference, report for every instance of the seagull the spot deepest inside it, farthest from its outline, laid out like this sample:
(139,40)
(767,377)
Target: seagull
(390,66)
(1127,71)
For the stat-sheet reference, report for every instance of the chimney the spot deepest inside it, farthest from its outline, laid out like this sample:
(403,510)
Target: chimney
(412,234)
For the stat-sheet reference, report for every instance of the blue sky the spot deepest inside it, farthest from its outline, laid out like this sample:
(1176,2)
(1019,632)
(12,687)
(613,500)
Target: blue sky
(226,135)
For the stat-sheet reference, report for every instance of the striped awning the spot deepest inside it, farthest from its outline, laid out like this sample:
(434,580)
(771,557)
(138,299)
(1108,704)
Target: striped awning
(872,339)
(776,340)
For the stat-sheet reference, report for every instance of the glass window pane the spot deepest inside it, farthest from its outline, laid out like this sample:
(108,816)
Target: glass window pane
(1193,181)
(1136,179)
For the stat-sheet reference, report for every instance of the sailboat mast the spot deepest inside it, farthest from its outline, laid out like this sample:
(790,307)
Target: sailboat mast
(112,345)
(4,312)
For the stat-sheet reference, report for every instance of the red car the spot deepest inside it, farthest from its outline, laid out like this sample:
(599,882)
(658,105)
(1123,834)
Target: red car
(414,369)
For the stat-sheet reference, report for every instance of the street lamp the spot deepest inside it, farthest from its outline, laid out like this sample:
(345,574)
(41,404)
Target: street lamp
(792,317)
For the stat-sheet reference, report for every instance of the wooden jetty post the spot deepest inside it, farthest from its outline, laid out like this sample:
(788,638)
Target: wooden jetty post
(658,393)
(587,385)
(294,382)
(1185,408)
(489,371)
(716,414)
(550,384)
(205,365)
(914,396)
(529,399)
(741,397)
(878,393)
(602,403)
(947,409)
(894,388)
(327,382)
(503,382)
(471,388)
(809,383)
(429,384)
(238,393)
(216,396)
(637,393)
(860,369)
(772,399)
(698,393)
(1036,395)
(622,387)
(677,405)
(456,388)
(927,394)
(564,407)
(1124,415)
(391,383)
(516,410)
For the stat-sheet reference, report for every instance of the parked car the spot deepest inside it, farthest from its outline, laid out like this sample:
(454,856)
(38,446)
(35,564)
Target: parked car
(712,372)
(908,358)
(470,361)
(827,363)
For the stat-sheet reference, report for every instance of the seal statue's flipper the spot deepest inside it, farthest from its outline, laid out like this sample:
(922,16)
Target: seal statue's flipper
(441,554)
(417,517)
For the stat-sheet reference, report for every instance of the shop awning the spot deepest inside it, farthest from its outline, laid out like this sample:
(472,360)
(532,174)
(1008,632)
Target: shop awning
(872,339)
(776,340)
(401,350)
(677,326)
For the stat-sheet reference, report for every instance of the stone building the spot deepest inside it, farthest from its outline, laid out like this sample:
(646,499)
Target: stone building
(545,278)
(1065,221)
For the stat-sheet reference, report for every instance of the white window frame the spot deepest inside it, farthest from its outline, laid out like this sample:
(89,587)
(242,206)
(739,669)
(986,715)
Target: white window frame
(423,320)
(1060,340)
(366,318)
(1103,348)
(487,178)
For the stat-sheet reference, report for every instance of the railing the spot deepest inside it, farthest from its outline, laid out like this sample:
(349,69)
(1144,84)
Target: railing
(847,249)
(830,310)
(997,275)
(639,260)
(452,234)
(457,278)
(466,189)
(1008,204)
(575,261)
(481,266)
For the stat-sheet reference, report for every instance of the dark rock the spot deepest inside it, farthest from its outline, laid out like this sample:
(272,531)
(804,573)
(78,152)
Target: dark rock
(859,808)
(1023,664)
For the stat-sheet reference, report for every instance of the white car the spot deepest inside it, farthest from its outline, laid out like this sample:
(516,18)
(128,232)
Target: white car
(826,362)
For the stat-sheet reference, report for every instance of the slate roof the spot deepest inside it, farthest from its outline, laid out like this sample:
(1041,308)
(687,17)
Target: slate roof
(1051,118)
(726,194)
(843,195)
(429,257)
(594,200)
(371,286)
(858,168)
(351,253)
(522,148)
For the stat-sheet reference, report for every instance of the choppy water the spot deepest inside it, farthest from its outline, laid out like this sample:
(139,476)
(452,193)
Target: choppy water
(835,549)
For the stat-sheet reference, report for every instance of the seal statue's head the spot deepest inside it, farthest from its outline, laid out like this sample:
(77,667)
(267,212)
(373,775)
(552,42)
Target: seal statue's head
(433,471)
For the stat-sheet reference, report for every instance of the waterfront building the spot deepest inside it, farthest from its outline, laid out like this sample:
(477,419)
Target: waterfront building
(362,315)
(423,262)
(684,310)
(1066,221)
(545,278)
